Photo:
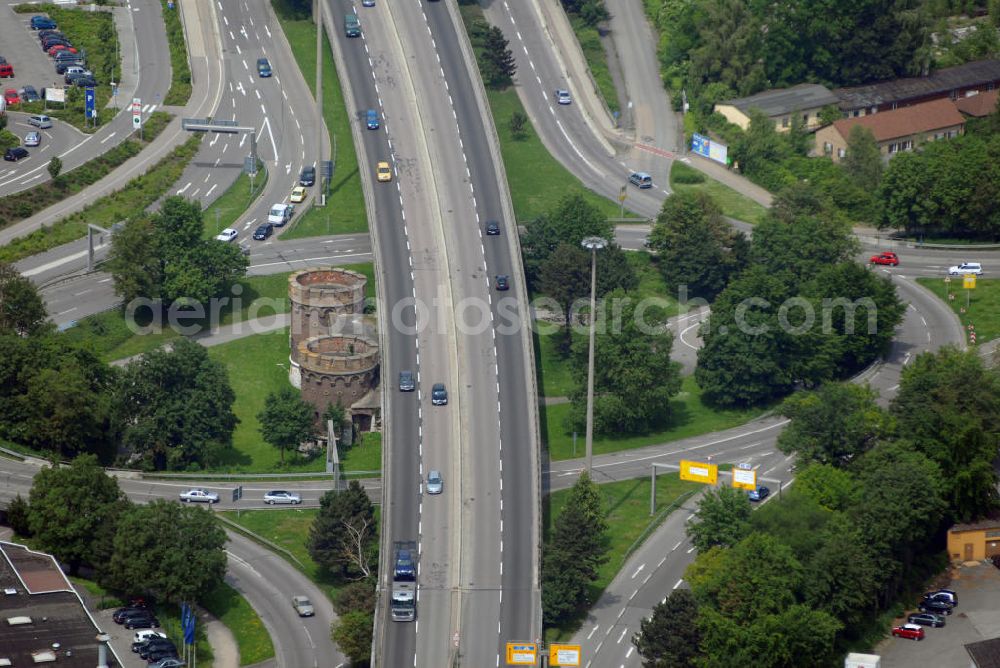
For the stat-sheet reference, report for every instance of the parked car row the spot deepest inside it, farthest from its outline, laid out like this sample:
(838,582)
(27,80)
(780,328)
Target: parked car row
(272,497)
(934,607)
(156,648)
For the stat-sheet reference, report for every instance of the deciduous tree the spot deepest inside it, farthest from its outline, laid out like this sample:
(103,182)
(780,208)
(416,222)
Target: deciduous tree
(353,634)
(863,161)
(722,519)
(68,505)
(286,420)
(22,310)
(174,551)
(331,544)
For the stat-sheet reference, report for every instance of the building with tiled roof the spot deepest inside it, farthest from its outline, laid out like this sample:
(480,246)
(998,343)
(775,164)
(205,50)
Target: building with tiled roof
(979,105)
(895,131)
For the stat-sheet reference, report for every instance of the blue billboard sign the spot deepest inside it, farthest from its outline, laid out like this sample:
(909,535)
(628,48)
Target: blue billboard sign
(91,112)
(700,144)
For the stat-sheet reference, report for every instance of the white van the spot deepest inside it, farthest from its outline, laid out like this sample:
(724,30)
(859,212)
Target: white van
(280,214)
(40,121)
(641,180)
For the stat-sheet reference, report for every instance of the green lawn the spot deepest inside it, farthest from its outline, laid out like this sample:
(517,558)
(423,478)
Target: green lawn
(537,181)
(257,365)
(345,206)
(227,605)
(597,61)
(554,376)
(626,507)
(691,418)
(984,304)
(231,204)
(364,457)
(733,204)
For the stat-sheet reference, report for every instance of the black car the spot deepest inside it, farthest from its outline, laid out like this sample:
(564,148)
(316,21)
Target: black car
(439,395)
(935,607)
(68,55)
(406,383)
(63,65)
(503,282)
(29,94)
(50,41)
(15,154)
(85,82)
(926,619)
(121,614)
(492,228)
(158,653)
(263,232)
(308,176)
(156,646)
(142,622)
(42,34)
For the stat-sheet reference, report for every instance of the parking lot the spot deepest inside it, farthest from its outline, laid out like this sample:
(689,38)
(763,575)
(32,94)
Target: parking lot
(19,45)
(977,617)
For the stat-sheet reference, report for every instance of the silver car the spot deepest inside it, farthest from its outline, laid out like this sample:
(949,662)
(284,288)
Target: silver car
(199,495)
(303,606)
(435,485)
(281,496)
(32,139)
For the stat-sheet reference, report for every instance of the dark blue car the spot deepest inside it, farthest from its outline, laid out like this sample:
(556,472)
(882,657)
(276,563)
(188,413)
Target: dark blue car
(42,23)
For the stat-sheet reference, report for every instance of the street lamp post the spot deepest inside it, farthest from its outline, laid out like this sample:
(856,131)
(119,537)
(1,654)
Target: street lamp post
(593,244)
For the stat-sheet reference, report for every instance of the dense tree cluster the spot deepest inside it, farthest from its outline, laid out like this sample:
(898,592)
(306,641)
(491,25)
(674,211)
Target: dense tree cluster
(719,49)
(802,579)
(591,12)
(947,189)
(803,312)
(80,515)
(165,256)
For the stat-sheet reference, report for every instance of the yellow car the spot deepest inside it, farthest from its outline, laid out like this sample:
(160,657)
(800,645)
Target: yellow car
(298,194)
(383,172)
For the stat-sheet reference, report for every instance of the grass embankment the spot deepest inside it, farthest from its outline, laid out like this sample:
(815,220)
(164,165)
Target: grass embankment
(344,212)
(27,203)
(732,203)
(92,33)
(230,205)
(589,38)
(229,607)
(290,530)
(690,416)
(537,181)
(180,79)
(626,508)
(984,304)
(116,207)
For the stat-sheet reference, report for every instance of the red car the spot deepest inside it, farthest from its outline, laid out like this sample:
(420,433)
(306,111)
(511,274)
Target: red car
(61,47)
(885,258)
(911,631)
(10,96)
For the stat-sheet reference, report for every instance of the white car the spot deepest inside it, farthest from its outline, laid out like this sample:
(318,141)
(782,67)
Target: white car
(281,496)
(200,495)
(966,268)
(32,139)
(303,606)
(435,484)
(563,97)
(145,634)
(227,234)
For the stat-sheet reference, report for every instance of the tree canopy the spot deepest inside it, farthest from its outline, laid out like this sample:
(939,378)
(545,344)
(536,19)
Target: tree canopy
(175,408)
(670,638)
(22,311)
(722,519)
(344,525)
(286,420)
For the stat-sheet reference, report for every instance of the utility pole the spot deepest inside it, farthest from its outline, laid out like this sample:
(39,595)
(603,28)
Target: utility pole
(318,13)
(593,244)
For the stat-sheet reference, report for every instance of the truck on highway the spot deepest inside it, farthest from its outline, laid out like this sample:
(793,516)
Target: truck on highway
(404,581)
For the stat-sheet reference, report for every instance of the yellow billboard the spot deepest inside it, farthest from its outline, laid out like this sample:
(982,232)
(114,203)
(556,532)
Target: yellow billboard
(564,655)
(744,478)
(699,472)
(522,654)
(969,281)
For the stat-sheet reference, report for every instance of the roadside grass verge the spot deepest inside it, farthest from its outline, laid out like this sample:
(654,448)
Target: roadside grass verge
(690,417)
(537,181)
(734,205)
(589,38)
(229,607)
(984,304)
(626,509)
(345,205)
(27,203)
(180,72)
(116,207)
(231,204)
(290,530)
(90,32)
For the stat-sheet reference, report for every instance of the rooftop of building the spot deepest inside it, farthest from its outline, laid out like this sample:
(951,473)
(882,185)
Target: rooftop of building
(781,101)
(940,82)
(906,121)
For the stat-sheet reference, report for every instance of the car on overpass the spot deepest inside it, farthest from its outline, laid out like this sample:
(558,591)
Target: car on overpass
(406,383)
(383,172)
(263,68)
(371,119)
(281,496)
(439,395)
(199,495)
(563,96)
(503,282)
(492,228)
